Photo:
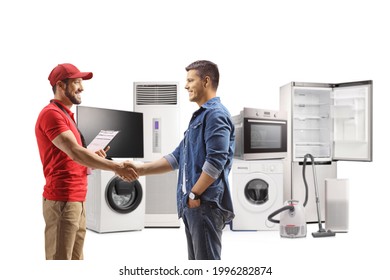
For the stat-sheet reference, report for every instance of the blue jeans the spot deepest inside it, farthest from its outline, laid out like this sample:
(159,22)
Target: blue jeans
(203,226)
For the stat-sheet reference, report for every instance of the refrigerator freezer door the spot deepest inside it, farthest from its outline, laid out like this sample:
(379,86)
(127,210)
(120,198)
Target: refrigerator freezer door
(352,121)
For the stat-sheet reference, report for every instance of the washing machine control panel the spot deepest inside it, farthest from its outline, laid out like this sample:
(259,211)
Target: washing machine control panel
(263,166)
(271,168)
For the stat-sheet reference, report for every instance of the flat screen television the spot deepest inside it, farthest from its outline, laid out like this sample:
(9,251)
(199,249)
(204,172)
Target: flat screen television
(128,143)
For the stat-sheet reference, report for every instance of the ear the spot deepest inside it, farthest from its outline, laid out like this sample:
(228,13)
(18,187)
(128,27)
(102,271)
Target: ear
(206,81)
(61,84)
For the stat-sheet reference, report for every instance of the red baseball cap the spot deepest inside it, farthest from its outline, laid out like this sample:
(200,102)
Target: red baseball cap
(67,71)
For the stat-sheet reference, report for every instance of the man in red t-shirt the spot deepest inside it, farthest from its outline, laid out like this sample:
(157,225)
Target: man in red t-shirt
(65,160)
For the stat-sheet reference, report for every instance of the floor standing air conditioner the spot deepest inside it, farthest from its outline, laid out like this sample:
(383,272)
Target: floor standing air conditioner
(159,103)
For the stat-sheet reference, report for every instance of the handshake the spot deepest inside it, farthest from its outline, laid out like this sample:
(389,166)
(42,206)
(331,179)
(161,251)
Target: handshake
(129,170)
(126,170)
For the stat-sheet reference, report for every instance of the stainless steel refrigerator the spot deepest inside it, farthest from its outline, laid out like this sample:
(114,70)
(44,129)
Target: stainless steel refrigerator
(330,121)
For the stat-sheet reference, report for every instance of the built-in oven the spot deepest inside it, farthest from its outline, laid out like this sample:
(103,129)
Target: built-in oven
(260,134)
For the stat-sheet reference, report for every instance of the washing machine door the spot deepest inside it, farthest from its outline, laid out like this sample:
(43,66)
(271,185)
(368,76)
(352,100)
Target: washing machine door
(258,192)
(123,196)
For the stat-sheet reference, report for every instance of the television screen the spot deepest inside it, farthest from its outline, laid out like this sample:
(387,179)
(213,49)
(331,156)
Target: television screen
(128,143)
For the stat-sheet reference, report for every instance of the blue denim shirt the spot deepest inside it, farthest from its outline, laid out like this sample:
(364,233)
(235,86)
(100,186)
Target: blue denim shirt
(208,145)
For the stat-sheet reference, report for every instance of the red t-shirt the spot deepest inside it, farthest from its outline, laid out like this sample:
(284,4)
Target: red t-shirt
(66,180)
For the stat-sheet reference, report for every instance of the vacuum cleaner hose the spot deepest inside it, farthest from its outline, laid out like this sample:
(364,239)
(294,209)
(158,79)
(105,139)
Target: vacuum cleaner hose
(304,175)
(291,207)
(273,214)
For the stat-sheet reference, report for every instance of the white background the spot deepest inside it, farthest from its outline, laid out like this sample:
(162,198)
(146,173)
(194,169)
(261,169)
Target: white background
(259,46)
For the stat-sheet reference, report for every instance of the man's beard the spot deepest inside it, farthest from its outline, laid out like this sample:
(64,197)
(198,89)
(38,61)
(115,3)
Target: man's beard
(71,97)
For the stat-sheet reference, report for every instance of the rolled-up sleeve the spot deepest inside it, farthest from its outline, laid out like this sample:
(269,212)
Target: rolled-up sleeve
(172,161)
(211,170)
(174,157)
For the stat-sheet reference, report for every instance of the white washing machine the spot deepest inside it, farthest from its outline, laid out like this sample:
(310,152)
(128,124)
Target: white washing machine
(257,191)
(113,204)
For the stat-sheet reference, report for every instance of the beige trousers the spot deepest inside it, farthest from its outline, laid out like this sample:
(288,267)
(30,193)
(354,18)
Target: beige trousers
(65,229)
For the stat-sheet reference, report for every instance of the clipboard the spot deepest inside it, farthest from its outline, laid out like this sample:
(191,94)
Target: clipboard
(102,140)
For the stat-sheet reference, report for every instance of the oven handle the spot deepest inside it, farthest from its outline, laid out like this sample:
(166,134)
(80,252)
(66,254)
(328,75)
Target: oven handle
(264,121)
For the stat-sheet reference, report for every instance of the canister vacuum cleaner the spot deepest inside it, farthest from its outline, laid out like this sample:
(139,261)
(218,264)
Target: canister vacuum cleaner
(292,214)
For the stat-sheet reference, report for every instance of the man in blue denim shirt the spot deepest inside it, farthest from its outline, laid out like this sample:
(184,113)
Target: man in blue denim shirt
(204,158)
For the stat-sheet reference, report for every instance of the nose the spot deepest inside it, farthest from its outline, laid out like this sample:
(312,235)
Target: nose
(81,88)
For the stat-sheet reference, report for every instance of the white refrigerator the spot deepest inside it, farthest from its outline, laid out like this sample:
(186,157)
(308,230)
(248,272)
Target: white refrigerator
(330,121)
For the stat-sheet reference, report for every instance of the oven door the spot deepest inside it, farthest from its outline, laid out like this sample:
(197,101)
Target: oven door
(265,139)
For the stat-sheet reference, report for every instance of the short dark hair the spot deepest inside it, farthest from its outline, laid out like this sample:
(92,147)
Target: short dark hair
(206,68)
(65,81)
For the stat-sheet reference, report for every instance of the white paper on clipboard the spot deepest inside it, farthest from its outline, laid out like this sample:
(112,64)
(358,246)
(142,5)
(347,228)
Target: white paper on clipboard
(102,140)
